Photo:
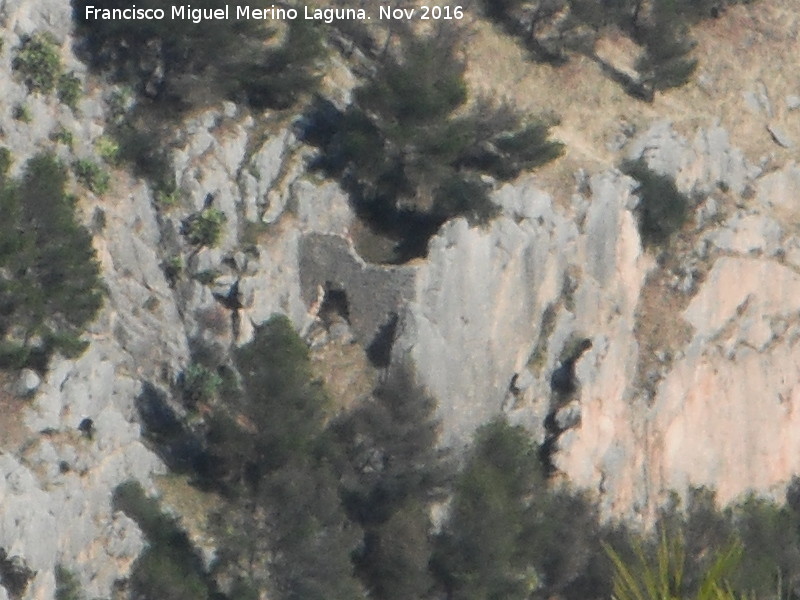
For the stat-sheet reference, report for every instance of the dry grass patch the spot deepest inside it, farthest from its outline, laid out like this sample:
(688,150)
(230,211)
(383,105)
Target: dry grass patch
(13,431)
(736,52)
(660,330)
(346,372)
(192,505)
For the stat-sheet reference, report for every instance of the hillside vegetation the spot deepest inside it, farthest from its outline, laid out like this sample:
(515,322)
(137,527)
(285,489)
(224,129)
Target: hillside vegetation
(50,286)
(314,502)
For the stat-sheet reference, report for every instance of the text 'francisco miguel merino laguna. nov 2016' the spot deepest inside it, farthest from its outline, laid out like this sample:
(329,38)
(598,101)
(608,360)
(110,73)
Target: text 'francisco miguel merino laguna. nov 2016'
(273,13)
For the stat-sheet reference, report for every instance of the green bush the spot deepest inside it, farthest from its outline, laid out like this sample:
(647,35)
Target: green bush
(67,585)
(6,160)
(464,196)
(283,528)
(662,209)
(139,146)
(202,63)
(22,113)
(69,89)
(205,227)
(39,63)
(108,149)
(390,497)
(770,537)
(767,532)
(665,61)
(480,553)
(92,176)
(200,384)
(64,136)
(411,152)
(284,405)
(281,395)
(311,540)
(285,73)
(50,286)
(166,199)
(510,535)
(173,269)
(170,568)
(14,355)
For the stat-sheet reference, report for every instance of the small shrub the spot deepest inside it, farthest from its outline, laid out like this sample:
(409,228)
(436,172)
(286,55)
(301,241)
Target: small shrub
(38,62)
(120,102)
(68,344)
(69,89)
(207,277)
(13,355)
(22,113)
(62,135)
(205,228)
(140,147)
(467,197)
(98,220)
(6,159)
(167,198)
(170,568)
(67,585)
(151,304)
(173,269)
(200,384)
(15,574)
(157,574)
(108,149)
(92,176)
(662,208)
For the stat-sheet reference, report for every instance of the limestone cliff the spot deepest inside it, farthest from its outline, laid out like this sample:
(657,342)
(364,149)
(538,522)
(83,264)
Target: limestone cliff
(691,378)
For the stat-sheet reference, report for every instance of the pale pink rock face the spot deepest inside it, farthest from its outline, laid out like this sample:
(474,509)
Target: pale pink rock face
(724,414)
(721,413)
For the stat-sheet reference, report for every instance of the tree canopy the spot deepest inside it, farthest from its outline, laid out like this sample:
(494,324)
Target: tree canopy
(50,286)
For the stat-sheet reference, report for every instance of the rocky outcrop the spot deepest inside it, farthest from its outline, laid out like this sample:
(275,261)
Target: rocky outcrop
(497,307)
(721,404)
(691,378)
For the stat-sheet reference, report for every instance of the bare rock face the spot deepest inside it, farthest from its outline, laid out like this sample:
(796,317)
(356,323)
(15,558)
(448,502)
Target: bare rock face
(725,413)
(719,407)
(59,477)
(491,303)
(703,399)
(471,300)
(691,378)
(28,382)
(55,481)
